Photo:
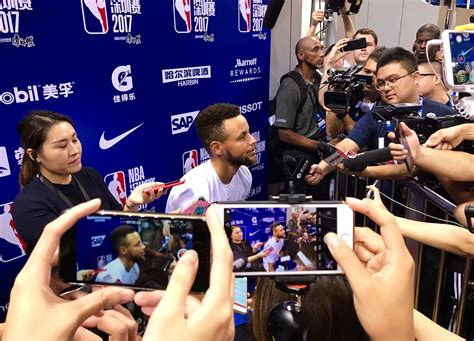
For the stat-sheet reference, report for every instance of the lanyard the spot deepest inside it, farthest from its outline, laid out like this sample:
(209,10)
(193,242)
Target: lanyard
(66,200)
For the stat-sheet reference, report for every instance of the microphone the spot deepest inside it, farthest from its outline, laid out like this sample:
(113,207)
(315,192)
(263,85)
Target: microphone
(361,161)
(272,13)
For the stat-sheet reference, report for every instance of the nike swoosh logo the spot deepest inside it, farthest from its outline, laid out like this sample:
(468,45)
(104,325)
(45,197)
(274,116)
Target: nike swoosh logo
(106,144)
(252,234)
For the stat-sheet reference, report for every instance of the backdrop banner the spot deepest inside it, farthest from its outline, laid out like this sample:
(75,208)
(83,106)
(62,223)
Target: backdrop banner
(132,75)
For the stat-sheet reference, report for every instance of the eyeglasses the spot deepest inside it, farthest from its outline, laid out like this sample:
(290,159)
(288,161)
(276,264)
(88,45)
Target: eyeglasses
(427,74)
(381,84)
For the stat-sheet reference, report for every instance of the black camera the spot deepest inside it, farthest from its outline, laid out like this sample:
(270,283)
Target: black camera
(345,88)
(335,6)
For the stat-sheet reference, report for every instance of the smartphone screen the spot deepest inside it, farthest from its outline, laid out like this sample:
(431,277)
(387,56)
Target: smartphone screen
(133,249)
(279,239)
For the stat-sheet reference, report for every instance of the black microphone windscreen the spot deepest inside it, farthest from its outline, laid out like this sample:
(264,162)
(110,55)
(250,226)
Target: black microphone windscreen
(272,13)
(361,161)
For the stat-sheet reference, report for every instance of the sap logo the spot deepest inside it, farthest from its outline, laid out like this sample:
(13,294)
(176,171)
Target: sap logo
(122,78)
(245,62)
(96,241)
(251,107)
(182,122)
(20,96)
(4,164)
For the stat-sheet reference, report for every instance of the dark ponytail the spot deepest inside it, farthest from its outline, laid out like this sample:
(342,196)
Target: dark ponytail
(32,130)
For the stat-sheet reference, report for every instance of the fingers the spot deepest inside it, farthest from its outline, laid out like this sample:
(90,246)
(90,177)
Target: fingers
(99,300)
(172,303)
(398,151)
(148,300)
(368,239)
(391,135)
(377,197)
(221,271)
(389,229)
(348,260)
(435,139)
(42,256)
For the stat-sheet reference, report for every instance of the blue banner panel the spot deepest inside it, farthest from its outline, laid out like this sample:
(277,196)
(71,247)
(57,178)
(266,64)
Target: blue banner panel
(132,75)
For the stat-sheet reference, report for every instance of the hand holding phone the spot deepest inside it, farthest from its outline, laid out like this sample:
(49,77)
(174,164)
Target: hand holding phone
(164,186)
(354,44)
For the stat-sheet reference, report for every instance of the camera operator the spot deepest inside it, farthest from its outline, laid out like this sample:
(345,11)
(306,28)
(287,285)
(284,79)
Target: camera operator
(397,75)
(336,123)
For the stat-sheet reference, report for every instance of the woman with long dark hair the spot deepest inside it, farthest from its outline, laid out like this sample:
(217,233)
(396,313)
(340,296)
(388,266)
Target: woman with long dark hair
(52,177)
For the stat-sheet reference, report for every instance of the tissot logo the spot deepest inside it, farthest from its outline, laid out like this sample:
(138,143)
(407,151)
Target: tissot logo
(122,78)
(248,108)
(182,122)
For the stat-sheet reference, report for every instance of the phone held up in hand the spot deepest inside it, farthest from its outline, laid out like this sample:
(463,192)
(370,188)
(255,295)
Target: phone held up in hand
(137,250)
(355,44)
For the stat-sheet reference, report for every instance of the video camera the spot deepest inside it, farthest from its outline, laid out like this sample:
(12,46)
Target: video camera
(335,6)
(345,88)
(423,126)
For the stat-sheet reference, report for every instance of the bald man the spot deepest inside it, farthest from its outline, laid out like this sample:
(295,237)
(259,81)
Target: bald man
(302,124)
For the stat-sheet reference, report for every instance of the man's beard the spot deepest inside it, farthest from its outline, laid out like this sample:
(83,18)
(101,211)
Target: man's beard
(240,161)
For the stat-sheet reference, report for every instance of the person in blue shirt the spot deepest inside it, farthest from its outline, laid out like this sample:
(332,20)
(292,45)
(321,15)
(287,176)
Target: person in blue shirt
(397,77)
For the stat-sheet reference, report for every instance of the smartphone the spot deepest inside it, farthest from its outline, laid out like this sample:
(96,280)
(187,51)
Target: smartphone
(287,239)
(197,207)
(458,61)
(354,44)
(409,162)
(150,244)
(240,295)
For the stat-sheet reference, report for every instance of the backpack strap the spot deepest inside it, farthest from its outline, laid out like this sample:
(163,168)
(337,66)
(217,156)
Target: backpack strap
(302,86)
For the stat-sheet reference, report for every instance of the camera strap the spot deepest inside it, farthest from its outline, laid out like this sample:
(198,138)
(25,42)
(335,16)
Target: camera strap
(60,194)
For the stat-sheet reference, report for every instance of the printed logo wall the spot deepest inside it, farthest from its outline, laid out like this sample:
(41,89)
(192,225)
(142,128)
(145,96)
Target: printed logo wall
(133,77)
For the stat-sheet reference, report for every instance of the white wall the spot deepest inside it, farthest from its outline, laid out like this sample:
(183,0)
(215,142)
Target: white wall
(394,21)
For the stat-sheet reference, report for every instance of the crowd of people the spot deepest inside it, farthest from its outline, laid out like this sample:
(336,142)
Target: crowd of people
(375,298)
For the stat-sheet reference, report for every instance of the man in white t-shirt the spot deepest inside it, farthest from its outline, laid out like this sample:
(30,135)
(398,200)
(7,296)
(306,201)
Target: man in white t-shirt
(275,243)
(129,247)
(225,134)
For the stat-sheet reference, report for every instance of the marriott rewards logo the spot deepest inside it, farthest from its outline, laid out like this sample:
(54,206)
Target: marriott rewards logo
(245,70)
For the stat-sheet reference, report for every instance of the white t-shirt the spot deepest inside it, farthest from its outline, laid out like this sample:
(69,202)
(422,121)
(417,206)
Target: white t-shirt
(273,256)
(115,271)
(203,181)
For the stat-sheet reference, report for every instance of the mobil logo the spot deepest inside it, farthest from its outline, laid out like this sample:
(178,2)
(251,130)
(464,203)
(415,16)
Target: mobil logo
(182,122)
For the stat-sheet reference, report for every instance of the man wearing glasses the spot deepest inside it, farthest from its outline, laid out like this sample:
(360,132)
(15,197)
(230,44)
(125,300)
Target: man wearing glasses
(396,78)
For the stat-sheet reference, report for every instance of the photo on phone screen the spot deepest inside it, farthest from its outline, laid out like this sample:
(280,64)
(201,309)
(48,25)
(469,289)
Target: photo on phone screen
(284,239)
(133,249)
(459,58)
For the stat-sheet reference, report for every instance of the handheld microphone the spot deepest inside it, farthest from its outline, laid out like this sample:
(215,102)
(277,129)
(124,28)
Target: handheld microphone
(361,161)
(272,13)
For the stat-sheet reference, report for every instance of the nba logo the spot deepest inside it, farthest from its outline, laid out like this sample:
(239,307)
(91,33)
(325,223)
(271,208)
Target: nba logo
(182,16)
(116,185)
(244,15)
(4,165)
(94,15)
(190,160)
(11,244)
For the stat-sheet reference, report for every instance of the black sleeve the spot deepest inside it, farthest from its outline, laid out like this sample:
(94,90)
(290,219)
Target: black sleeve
(30,216)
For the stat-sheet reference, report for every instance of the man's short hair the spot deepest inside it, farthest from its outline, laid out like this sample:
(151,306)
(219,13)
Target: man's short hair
(367,31)
(429,28)
(300,44)
(398,55)
(435,65)
(274,225)
(118,236)
(209,122)
(378,53)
